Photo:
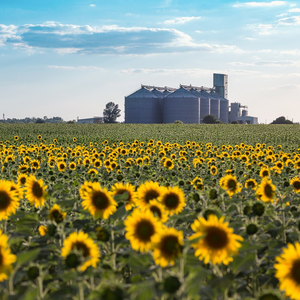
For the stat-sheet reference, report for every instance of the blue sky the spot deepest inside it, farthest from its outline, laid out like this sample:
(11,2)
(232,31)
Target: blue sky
(69,58)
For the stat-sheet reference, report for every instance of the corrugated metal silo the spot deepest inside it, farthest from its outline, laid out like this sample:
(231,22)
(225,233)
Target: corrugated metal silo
(143,107)
(183,106)
(224,110)
(215,105)
(204,104)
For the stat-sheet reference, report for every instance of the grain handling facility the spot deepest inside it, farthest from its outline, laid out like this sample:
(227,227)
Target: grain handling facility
(189,104)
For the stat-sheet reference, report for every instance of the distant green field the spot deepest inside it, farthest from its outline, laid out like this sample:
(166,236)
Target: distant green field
(286,135)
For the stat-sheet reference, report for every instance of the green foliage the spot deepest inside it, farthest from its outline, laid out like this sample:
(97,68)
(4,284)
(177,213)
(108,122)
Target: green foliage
(282,120)
(111,112)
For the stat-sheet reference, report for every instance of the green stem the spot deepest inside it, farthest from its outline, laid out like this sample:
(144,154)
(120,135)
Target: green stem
(40,285)
(113,250)
(181,268)
(80,291)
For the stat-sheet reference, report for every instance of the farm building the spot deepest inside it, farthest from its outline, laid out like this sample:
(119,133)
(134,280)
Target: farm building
(189,104)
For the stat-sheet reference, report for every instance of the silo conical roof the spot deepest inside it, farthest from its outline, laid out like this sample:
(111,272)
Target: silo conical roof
(181,93)
(142,93)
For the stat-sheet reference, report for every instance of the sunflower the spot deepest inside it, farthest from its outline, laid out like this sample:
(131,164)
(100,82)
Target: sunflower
(35,191)
(264,172)
(35,163)
(266,190)
(56,214)
(16,138)
(168,163)
(22,178)
(140,227)
(295,182)
(72,166)
(97,163)
(158,210)
(216,241)
(62,166)
(9,201)
(197,183)
(230,184)
(98,201)
(92,171)
(167,245)
(6,258)
(81,242)
(74,139)
(23,168)
(173,200)
(17,189)
(147,191)
(213,170)
(121,189)
(288,271)
(42,230)
(251,183)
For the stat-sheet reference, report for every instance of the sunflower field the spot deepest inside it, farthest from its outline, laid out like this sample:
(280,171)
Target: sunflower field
(121,211)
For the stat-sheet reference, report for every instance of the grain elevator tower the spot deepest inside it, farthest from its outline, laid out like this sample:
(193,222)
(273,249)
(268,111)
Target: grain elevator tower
(221,85)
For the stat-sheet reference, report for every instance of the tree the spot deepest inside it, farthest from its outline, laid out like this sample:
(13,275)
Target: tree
(210,119)
(111,112)
(282,120)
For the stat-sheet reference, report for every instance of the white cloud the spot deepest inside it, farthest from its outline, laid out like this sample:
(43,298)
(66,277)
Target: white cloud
(92,5)
(289,86)
(260,4)
(180,20)
(261,29)
(289,21)
(293,10)
(110,39)
(76,68)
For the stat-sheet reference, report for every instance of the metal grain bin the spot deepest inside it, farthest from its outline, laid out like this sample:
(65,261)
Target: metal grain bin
(143,107)
(215,105)
(224,110)
(183,106)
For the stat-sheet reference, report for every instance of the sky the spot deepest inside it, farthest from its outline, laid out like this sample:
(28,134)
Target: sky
(68,58)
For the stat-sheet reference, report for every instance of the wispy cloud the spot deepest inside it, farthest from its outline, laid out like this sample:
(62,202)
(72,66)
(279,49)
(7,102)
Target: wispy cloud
(290,21)
(92,5)
(261,29)
(111,39)
(76,68)
(260,4)
(294,10)
(270,63)
(180,20)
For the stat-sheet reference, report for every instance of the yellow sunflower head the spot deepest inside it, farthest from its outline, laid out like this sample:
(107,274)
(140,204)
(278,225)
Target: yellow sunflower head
(148,191)
(158,210)
(35,191)
(140,227)
(6,258)
(172,199)
(99,202)
(216,242)
(167,245)
(126,192)
(288,270)
(80,251)
(9,200)
(55,214)
(266,191)
(230,184)
(295,182)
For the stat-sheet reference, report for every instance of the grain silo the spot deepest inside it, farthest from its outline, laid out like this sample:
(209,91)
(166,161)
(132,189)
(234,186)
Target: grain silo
(143,106)
(215,105)
(183,106)
(224,110)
